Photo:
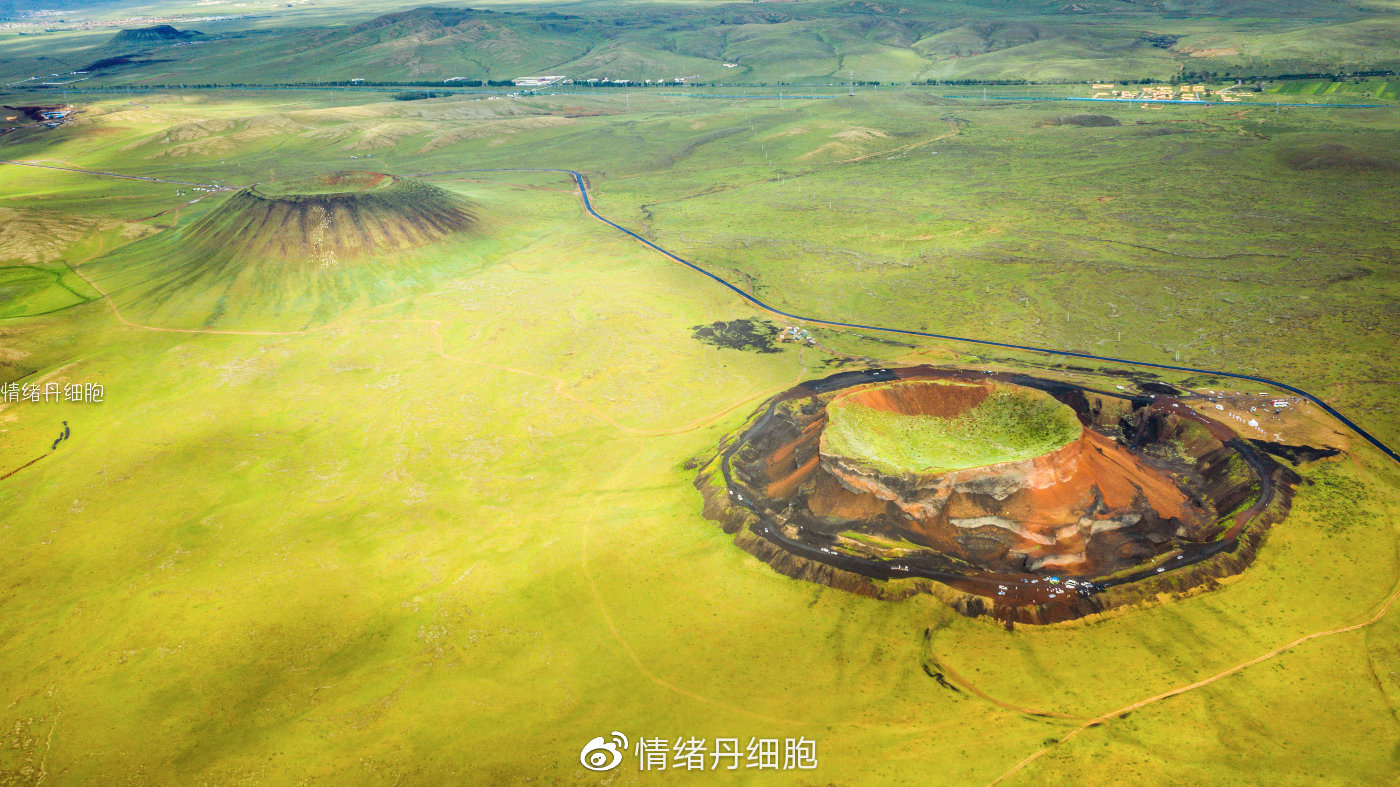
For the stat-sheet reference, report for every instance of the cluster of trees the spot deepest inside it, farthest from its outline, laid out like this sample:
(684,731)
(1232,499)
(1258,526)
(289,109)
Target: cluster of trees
(257,86)
(441,89)
(993,82)
(410,83)
(1340,76)
(964,82)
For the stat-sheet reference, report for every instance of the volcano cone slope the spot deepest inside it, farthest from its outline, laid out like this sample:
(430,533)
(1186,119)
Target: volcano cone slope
(322,221)
(1001,489)
(288,255)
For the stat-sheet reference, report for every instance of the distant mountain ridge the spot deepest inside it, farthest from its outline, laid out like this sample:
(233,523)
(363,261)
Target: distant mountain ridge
(818,41)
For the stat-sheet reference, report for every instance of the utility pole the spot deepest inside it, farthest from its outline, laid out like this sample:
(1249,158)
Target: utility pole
(852,74)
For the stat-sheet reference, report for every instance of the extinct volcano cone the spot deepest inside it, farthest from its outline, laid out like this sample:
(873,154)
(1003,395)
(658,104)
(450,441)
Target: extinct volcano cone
(156,34)
(291,254)
(1002,477)
(1027,499)
(332,218)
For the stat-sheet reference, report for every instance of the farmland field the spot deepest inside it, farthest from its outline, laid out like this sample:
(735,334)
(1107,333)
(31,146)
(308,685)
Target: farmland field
(392,481)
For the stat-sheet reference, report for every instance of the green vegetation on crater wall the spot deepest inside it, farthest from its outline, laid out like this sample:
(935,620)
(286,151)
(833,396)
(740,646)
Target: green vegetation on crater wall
(1007,426)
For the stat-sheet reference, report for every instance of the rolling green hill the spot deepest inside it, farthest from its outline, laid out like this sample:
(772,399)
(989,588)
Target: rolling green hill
(802,42)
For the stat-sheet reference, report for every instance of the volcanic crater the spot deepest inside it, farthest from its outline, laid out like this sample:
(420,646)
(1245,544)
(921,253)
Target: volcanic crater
(1027,499)
(291,254)
(333,217)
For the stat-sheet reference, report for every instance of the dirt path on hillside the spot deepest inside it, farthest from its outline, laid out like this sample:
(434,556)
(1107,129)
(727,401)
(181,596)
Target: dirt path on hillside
(1103,719)
(637,661)
(958,678)
(953,131)
(101,247)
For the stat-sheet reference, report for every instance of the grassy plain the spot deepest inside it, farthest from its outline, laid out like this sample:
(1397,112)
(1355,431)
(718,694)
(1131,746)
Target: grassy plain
(449,536)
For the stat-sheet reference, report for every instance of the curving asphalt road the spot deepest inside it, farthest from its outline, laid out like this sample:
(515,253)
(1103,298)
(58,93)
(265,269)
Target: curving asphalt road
(588,205)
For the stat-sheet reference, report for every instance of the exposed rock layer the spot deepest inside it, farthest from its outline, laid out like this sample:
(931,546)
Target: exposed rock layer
(1150,495)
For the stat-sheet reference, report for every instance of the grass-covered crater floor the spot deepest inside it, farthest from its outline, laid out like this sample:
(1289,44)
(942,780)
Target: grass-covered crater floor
(1085,501)
(932,427)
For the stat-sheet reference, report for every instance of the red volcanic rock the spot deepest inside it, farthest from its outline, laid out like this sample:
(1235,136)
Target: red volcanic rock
(932,398)
(1048,508)
(1131,496)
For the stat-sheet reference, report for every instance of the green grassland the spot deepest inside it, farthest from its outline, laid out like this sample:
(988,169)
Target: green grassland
(807,42)
(1007,426)
(446,534)
(30,290)
(1359,89)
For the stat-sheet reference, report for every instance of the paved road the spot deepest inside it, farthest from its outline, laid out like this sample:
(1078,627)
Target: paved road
(588,205)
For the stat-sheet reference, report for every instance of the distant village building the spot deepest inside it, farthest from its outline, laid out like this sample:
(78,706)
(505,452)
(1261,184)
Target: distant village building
(793,333)
(543,81)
